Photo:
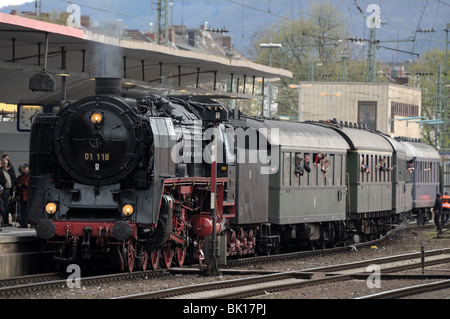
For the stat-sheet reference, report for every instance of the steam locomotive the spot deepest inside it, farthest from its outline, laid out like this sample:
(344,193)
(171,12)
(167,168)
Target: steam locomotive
(137,177)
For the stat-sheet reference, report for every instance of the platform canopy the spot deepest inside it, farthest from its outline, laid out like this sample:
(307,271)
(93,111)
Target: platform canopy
(77,56)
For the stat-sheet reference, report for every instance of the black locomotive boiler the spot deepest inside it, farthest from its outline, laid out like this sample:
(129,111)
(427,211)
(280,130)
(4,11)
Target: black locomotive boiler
(127,174)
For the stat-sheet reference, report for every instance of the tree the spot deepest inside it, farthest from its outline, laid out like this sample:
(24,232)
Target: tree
(426,71)
(316,42)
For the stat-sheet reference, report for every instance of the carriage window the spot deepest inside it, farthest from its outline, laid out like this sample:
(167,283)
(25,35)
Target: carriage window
(321,178)
(287,169)
(424,175)
(331,171)
(315,174)
(431,173)
(306,175)
(390,161)
(338,169)
(420,176)
(362,168)
(388,165)
(365,168)
(428,173)
(382,168)
(318,158)
(410,168)
(373,161)
(299,171)
(435,170)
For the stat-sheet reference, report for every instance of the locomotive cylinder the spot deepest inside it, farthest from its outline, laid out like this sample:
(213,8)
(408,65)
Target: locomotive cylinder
(203,227)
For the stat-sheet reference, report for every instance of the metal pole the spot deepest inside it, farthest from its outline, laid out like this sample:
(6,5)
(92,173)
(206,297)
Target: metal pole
(330,107)
(263,97)
(46,52)
(422,257)
(124,67)
(39,53)
(269,88)
(83,60)
(63,78)
(198,77)
(213,268)
(299,103)
(13,50)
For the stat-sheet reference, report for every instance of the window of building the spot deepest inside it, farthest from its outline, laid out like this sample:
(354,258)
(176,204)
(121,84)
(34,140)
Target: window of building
(403,109)
(367,114)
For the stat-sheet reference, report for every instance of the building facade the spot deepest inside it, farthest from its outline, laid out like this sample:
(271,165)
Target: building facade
(380,106)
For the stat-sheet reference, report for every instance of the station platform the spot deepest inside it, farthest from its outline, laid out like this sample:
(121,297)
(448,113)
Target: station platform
(21,253)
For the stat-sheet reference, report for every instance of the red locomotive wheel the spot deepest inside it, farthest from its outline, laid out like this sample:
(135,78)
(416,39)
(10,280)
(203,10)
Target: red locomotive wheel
(154,259)
(181,256)
(143,260)
(168,255)
(131,253)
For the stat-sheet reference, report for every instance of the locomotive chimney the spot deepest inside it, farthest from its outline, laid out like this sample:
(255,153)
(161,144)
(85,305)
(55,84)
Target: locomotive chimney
(108,86)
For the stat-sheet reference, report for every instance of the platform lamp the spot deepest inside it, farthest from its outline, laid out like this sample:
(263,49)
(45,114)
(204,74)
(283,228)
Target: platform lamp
(43,82)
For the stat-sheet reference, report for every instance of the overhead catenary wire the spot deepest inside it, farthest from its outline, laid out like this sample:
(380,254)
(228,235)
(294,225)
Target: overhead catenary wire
(271,9)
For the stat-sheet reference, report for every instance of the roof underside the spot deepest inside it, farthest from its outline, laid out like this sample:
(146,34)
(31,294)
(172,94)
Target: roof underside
(89,55)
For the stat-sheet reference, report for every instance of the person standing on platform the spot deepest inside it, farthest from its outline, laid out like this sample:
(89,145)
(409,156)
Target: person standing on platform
(7,181)
(445,208)
(22,194)
(10,166)
(1,205)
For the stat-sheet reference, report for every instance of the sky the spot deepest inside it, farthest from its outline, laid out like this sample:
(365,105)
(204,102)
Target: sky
(242,18)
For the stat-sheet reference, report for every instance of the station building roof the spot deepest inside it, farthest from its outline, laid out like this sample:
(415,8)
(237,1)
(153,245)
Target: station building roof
(88,55)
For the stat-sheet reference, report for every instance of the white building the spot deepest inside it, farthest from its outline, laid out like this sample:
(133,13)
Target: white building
(380,106)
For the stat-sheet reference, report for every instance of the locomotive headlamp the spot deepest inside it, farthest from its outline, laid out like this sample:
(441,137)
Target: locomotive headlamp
(128,210)
(51,208)
(96,118)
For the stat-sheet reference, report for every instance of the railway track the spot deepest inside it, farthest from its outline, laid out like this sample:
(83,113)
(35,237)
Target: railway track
(263,284)
(26,280)
(409,291)
(15,286)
